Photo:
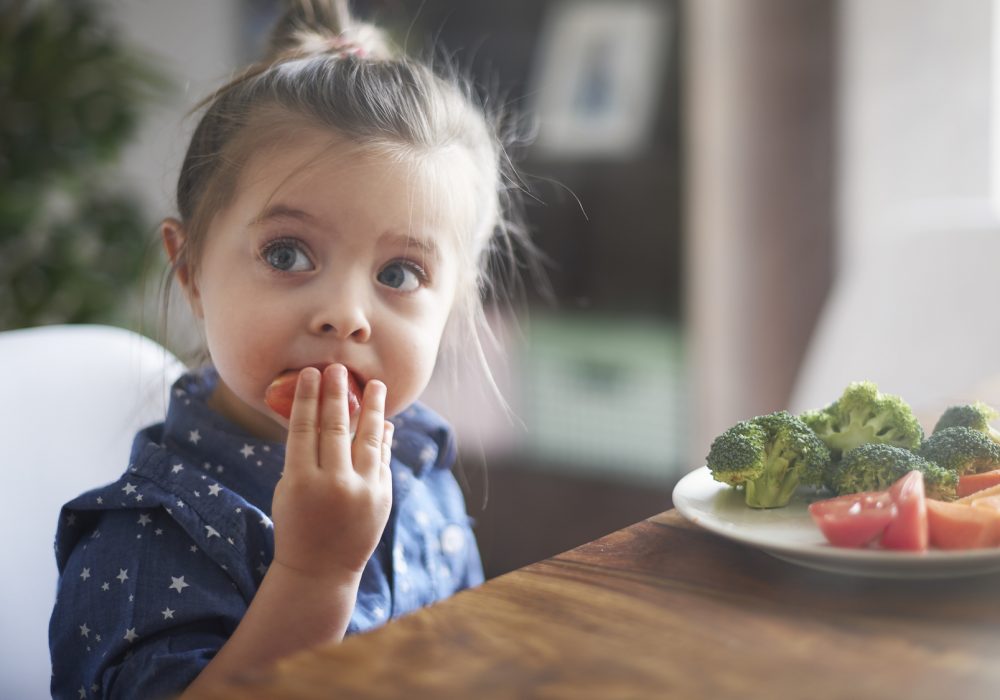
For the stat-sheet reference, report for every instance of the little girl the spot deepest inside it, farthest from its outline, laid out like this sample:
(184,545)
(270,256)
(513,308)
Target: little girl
(337,207)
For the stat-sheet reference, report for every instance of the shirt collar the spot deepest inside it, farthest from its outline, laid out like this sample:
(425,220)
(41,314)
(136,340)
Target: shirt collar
(211,442)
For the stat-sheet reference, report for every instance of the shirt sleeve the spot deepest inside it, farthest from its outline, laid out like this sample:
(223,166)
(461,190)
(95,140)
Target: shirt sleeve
(140,609)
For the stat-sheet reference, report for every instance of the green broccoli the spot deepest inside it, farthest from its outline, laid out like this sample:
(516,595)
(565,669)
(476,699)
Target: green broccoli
(962,450)
(876,466)
(976,416)
(769,457)
(862,415)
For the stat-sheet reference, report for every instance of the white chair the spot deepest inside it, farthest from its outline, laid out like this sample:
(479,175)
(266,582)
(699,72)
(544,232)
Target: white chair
(919,315)
(71,401)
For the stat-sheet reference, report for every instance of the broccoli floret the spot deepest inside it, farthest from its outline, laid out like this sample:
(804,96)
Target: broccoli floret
(962,450)
(876,466)
(769,457)
(864,415)
(976,416)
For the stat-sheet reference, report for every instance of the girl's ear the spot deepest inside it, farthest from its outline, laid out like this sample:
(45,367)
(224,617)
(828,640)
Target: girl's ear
(174,242)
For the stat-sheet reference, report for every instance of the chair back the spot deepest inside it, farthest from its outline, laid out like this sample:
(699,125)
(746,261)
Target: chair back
(72,398)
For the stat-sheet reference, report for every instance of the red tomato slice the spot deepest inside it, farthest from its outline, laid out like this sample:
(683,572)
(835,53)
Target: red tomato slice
(908,530)
(961,526)
(281,393)
(971,483)
(855,519)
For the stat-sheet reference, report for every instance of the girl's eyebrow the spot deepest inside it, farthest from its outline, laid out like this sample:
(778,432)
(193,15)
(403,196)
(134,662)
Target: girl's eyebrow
(282,211)
(426,246)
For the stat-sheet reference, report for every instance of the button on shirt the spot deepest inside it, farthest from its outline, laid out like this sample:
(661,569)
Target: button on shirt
(158,567)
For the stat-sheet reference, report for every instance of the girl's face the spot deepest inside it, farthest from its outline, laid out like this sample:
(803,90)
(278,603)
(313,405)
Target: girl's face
(326,254)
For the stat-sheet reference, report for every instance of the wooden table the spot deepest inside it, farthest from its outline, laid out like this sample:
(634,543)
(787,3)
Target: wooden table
(663,609)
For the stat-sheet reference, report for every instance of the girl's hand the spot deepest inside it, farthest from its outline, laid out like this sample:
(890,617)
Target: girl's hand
(332,502)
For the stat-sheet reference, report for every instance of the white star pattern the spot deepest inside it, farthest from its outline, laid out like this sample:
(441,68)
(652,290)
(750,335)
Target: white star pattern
(105,586)
(214,489)
(246,451)
(144,519)
(130,635)
(194,436)
(85,574)
(122,575)
(399,559)
(168,614)
(71,519)
(178,583)
(128,488)
(82,691)
(211,532)
(84,630)
(177,468)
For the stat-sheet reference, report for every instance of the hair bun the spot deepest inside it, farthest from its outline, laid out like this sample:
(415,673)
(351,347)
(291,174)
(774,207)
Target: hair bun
(314,27)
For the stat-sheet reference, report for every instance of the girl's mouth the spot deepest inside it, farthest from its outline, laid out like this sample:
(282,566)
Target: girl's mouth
(281,392)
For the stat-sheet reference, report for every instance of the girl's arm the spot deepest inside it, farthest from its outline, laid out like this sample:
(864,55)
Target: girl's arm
(329,510)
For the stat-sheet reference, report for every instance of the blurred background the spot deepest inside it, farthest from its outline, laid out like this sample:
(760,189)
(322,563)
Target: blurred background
(705,178)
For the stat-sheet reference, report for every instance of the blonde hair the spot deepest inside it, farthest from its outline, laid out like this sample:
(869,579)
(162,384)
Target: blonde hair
(343,75)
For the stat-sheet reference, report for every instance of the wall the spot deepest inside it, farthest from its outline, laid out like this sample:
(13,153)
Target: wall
(197,44)
(916,104)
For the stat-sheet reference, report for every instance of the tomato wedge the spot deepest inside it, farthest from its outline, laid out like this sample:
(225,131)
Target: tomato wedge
(961,526)
(908,530)
(855,519)
(280,395)
(971,483)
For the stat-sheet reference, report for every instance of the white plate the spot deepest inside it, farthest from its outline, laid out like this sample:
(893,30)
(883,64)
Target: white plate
(789,533)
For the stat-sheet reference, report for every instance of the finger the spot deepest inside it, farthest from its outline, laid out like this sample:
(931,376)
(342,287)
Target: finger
(335,420)
(387,447)
(366,450)
(300,452)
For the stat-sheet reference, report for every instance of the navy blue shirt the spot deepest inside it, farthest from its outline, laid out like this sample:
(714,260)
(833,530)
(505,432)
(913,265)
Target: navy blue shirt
(157,568)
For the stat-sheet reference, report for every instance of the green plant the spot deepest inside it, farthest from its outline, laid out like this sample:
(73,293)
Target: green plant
(72,241)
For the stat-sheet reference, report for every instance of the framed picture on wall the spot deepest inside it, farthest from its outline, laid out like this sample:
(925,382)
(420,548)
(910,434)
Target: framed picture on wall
(598,76)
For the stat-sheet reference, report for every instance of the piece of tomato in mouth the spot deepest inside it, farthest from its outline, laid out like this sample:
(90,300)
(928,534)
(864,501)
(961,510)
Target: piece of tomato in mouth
(280,394)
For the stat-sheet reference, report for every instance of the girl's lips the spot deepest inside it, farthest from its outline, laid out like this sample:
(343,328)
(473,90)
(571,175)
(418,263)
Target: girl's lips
(281,392)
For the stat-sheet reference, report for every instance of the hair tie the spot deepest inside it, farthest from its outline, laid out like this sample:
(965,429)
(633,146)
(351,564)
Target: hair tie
(342,46)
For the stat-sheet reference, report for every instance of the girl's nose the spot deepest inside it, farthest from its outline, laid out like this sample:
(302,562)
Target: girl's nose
(342,320)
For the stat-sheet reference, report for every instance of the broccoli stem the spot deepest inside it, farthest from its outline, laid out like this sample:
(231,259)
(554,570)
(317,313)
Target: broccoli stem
(773,488)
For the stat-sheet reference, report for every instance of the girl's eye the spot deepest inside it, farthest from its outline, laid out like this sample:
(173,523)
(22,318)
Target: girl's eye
(402,276)
(286,256)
